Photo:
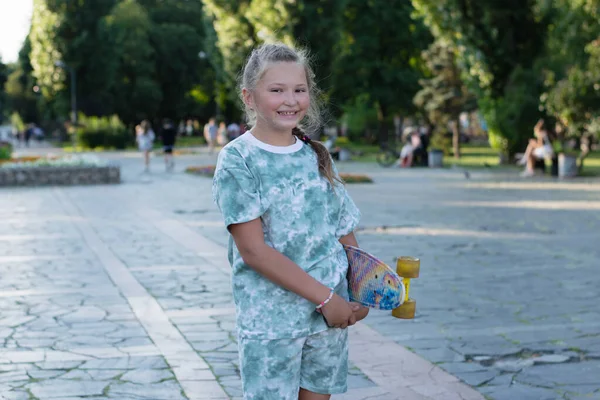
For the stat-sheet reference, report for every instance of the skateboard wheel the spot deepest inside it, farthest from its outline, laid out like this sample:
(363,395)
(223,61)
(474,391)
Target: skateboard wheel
(408,267)
(406,310)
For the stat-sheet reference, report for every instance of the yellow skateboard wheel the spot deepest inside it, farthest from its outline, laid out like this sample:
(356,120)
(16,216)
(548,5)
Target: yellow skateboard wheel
(406,310)
(408,267)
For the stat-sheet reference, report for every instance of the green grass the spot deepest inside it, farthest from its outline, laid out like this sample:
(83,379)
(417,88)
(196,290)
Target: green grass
(473,157)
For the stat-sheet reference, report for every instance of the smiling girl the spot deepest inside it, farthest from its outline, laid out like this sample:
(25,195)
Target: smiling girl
(288,214)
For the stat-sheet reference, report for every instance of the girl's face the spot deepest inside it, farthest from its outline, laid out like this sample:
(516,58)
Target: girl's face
(281,97)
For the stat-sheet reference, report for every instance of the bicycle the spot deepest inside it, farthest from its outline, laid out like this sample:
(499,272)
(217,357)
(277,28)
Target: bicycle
(387,156)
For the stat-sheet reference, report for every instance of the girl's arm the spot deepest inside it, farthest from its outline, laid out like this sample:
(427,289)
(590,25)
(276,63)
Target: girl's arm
(284,272)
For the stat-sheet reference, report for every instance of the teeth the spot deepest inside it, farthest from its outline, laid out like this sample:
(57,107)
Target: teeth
(287,112)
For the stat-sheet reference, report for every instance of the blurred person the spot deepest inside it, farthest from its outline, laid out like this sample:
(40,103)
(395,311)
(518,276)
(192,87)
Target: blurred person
(413,142)
(233,131)
(145,139)
(222,134)
(168,137)
(189,127)
(210,134)
(539,148)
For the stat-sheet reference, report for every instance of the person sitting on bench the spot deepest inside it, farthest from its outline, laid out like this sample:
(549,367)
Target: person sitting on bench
(539,148)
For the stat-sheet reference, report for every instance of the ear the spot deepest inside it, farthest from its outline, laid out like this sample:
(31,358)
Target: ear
(247,96)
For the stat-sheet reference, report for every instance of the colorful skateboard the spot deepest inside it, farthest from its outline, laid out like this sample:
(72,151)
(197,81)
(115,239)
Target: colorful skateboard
(372,283)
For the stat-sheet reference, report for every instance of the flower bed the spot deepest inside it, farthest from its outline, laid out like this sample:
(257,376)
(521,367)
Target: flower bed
(209,170)
(71,170)
(206,170)
(355,178)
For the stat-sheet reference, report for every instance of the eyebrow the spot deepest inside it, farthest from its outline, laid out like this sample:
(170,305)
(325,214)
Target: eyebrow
(284,84)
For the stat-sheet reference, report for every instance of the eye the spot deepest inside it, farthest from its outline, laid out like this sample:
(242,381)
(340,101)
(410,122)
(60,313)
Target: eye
(276,90)
(301,90)
(389,282)
(375,276)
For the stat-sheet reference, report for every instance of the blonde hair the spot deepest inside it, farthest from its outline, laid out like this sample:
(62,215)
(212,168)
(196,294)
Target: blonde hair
(257,64)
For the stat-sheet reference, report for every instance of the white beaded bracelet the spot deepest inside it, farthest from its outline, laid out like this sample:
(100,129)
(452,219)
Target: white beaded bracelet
(326,300)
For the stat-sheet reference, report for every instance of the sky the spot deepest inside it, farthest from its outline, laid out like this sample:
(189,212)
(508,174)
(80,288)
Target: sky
(15,18)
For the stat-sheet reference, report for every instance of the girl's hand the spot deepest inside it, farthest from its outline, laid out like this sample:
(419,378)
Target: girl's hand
(338,313)
(360,311)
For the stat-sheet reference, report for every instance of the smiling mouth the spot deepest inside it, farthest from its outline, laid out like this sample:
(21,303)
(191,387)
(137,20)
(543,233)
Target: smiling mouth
(287,112)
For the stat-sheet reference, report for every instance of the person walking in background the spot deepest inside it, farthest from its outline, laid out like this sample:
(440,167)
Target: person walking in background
(233,131)
(210,134)
(145,140)
(222,134)
(288,214)
(168,136)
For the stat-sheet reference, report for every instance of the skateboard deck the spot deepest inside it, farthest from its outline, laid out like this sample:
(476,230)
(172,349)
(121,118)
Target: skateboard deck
(371,282)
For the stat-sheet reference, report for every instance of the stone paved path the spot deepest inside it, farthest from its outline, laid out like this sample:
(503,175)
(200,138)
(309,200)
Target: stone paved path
(122,292)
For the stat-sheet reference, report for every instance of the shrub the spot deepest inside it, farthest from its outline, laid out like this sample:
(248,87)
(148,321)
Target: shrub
(105,132)
(5,151)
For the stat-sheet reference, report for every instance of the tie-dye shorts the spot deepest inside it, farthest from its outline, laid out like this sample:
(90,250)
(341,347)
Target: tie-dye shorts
(276,369)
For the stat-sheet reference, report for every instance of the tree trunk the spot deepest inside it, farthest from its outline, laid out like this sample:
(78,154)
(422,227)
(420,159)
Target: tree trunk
(382,131)
(455,138)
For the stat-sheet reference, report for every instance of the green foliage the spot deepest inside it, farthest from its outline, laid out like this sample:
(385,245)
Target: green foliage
(360,116)
(440,140)
(5,151)
(17,122)
(443,96)
(4,72)
(574,99)
(510,117)
(105,132)
(499,43)
(45,49)
(379,55)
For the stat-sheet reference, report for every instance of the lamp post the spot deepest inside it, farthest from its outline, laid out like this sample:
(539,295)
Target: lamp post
(63,65)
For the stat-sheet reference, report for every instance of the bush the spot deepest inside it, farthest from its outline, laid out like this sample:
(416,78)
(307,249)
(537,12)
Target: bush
(104,132)
(5,151)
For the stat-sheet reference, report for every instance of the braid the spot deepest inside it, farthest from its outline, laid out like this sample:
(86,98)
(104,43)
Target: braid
(323,158)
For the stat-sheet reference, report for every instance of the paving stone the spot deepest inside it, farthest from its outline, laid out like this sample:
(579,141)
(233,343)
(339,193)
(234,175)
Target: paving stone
(61,388)
(551,359)
(147,376)
(520,392)
(582,373)
(164,391)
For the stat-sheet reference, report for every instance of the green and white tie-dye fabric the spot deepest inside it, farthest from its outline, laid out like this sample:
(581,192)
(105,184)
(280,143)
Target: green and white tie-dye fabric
(302,217)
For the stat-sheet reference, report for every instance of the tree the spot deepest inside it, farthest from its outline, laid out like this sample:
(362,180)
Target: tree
(137,95)
(4,72)
(379,58)
(234,36)
(19,88)
(444,96)
(178,39)
(499,44)
(573,71)
(45,52)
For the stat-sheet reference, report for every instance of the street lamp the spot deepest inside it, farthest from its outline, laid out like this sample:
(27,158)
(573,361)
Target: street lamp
(63,65)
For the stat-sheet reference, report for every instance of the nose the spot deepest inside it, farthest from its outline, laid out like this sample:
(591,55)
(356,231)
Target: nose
(290,97)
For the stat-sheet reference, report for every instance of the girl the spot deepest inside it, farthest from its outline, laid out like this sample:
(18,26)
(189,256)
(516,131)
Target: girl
(539,148)
(145,139)
(288,214)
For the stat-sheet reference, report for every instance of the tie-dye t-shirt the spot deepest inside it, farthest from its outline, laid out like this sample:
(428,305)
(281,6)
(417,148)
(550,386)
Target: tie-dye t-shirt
(302,217)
